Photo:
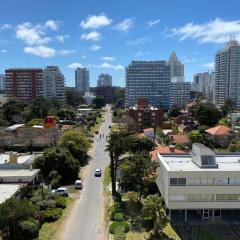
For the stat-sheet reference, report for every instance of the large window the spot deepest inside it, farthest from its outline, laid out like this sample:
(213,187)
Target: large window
(227,197)
(177,181)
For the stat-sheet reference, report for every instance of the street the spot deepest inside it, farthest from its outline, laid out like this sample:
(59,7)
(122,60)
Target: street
(86,220)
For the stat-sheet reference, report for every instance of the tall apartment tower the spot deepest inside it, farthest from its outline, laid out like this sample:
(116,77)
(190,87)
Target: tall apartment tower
(82,79)
(227,80)
(148,79)
(176,69)
(2,82)
(201,82)
(24,84)
(53,84)
(104,80)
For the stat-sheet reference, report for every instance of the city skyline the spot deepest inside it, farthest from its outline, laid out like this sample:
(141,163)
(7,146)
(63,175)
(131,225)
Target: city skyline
(96,36)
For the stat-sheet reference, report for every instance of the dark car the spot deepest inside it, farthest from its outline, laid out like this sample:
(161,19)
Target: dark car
(98,173)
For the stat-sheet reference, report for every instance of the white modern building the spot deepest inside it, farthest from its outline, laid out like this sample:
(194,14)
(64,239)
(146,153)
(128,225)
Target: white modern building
(176,69)
(82,79)
(227,81)
(53,84)
(203,182)
(104,80)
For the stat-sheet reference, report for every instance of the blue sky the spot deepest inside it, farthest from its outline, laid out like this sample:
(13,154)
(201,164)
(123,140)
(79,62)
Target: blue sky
(105,36)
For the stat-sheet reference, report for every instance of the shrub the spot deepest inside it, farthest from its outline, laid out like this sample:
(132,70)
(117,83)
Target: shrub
(29,229)
(119,233)
(118,198)
(147,223)
(60,202)
(55,182)
(117,225)
(118,217)
(52,215)
(43,205)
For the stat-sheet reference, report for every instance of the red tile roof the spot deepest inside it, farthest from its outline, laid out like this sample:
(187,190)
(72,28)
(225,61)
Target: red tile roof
(179,139)
(220,130)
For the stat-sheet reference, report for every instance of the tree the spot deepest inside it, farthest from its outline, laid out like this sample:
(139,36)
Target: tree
(67,114)
(58,161)
(76,143)
(198,136)
(13,211)
(136,144)
(174,112)
(206,114)
(225,122)
(136,169)
(116,146)
(73,97)
(228,106)
(99,102)
(153,208)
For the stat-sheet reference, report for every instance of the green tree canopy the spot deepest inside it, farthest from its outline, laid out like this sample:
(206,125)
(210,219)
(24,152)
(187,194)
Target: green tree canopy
(174,111)
(99,102)
(74,97)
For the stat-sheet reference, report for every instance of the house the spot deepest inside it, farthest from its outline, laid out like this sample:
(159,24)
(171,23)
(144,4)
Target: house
(202,185)
(221,135)
(185,123)
(180,139)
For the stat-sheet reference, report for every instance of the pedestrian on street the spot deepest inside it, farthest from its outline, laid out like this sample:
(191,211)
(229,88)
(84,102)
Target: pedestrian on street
(100,135)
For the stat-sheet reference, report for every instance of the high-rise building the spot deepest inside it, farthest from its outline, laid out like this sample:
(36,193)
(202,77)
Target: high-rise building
(104,80)
(200,81)
(2,82)
(108,93)
(209,89)
(176,69)
(150,80)
(53,84)
(82,79)
(179,93)
(24,84)
(227,81)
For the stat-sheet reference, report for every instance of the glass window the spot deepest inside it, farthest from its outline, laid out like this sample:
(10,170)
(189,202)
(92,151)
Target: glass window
(173,181)
(177,198)
(178,181)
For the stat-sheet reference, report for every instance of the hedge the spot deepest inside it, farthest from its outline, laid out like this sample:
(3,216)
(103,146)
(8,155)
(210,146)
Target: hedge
(118,217)
(45,204)
(117,225)
(52,215)
(119,234)
(29,229)
(60,202)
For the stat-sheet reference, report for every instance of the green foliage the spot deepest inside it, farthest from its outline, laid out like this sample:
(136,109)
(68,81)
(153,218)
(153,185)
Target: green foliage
(38,121)
(73,97)
(164,140)
(234,146)
(60,202)
(174,112)
(76,143)
(136,144)
(147,223)
(118,217)
(29,229)
(59,160)
(45,204)
(55,181)
(225,122)
(117,225)
(228,106)
(99,102)
(206,114)
(119,234)
(198,136)
(66,114)
(52,215)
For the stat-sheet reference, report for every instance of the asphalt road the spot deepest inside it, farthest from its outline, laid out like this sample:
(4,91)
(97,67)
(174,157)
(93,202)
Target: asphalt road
(86,220)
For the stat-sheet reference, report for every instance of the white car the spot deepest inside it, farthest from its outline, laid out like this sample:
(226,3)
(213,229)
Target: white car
(98,172)
(61,191)
(78,184)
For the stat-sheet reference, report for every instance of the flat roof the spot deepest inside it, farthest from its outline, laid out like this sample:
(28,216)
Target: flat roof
(21,158)
(18,172)
(15,127)
(183,162)
(8,190)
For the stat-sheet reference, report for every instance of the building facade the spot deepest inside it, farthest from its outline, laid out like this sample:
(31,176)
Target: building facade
(200,82)
(24,84)
(53,84)
(204,183)
(149,80)
(108,93)
(143,115)
(2,82)
(82,79)
(176,69)
(104,80)
(227,81)
(179,93)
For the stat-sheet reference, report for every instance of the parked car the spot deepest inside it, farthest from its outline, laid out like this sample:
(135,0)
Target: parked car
(98,173)
(91,140)
(78,184)
(63,191)
(96,132)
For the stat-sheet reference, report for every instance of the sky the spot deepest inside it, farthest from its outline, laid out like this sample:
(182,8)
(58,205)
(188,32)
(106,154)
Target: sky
(105,36)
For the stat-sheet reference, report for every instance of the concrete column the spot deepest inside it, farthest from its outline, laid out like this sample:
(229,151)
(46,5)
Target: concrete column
(169,214)
(185,216)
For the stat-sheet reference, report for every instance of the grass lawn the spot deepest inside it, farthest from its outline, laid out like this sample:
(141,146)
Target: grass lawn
(117,126)
(49,229)
(136,235)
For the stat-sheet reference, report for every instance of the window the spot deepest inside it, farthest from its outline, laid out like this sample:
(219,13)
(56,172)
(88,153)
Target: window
(177,181)
(227,197)
(200,197)
(139,114)
(208,161)
(177,198)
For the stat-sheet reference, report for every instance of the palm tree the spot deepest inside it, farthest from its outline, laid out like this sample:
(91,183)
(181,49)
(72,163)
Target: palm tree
(153,208)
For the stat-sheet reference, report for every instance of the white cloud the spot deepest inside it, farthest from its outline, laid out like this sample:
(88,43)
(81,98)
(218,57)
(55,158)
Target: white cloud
(53,25)
(152,23)
(216,31)
(108,58)
(61,38)
(95,48)
(3,51)
(96,21)
(75,65)
(66,52)
(31,35)
(6,26)
(209,65)
(125,25)
(41,51)
(138,41)
(110,66)
(93,36)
